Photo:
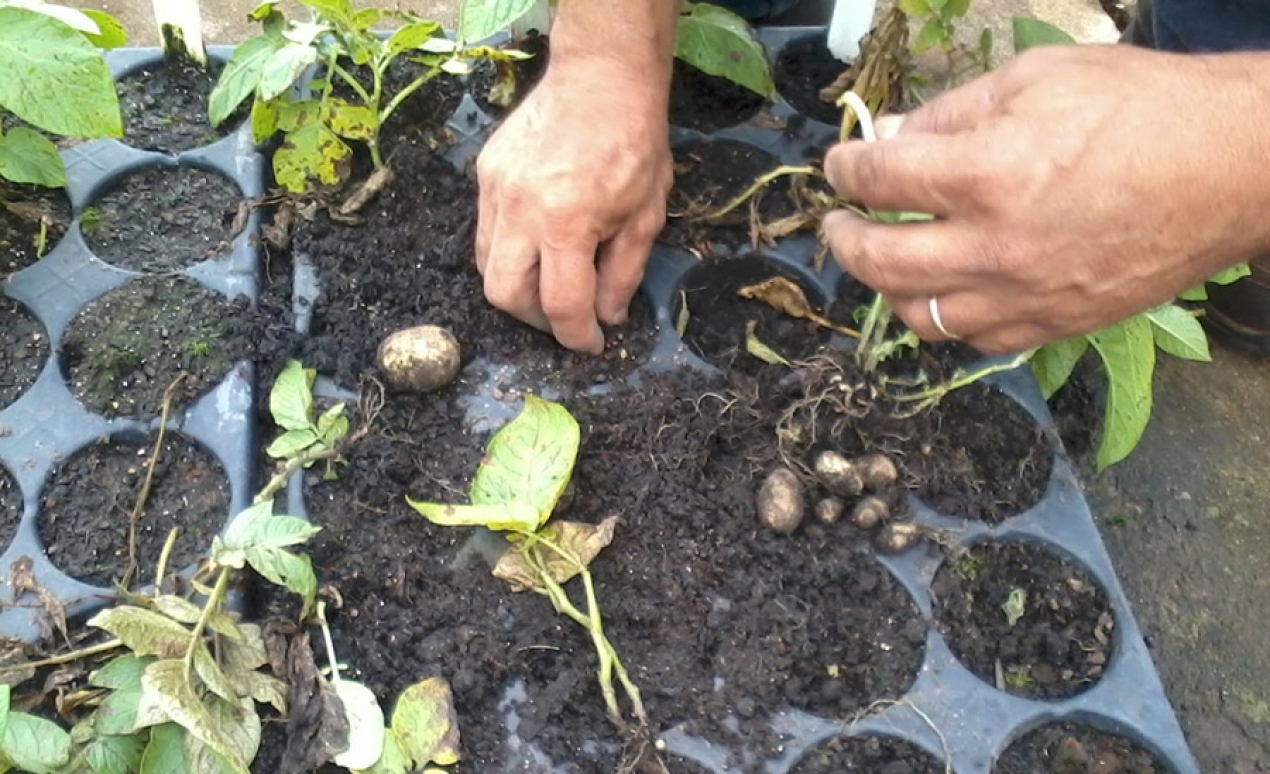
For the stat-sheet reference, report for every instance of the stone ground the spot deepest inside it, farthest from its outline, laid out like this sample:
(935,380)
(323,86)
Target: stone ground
(1184,517)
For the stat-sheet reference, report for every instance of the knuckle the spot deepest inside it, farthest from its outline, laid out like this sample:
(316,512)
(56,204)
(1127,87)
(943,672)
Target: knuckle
(500,295)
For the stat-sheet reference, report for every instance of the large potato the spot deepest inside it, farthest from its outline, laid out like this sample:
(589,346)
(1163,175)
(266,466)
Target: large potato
(780,501)
(419,359)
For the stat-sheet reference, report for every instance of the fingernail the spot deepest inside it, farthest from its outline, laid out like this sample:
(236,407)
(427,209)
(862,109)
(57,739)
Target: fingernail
(888,126)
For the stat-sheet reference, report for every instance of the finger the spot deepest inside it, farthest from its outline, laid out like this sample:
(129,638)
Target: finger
(567,287)
(512,278)
(908,260)
(937,318)
(620,270)
(956,111)
(486,216)
(909,173)
(888,126)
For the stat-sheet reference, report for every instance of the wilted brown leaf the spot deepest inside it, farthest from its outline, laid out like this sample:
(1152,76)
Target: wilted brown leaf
(22,580)
(583,541)
(786,297)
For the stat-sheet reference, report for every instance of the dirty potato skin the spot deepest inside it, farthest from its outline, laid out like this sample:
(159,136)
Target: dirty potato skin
(419,359)
(877,471)
(838,474)
(830,510)
(870,512)
(780,502)
(898,538)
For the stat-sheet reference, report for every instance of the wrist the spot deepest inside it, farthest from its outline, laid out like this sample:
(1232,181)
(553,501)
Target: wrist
(626,44)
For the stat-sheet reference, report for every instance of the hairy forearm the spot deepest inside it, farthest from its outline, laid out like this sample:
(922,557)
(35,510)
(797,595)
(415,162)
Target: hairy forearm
(634,39)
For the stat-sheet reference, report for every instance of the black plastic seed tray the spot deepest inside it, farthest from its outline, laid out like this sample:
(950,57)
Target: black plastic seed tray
(976,720)
(48,424)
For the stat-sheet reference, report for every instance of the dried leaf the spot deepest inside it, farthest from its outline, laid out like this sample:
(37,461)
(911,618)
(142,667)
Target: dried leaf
(786,297)
(317,728)
(22,580)
(760,350)
(144,632)
(582,541)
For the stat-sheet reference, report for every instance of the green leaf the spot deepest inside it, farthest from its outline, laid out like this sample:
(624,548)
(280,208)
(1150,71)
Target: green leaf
(26,156)
(985,45)
(110,33)
(335,10)
(284,568)
(411,36)
(530,460)
(1030,33)
(52,77)
(1233,274)
(4,707)
(367,18)
(291,400)
(955,9)
(114,754)
(312,152)
(258,527)
(165,752)
(1015,606)
(1053,363)
(932,35)
(291,443)
(1179,333)
(937,5)
(241,76)
(332,426)
(354,122)
(264,120)
(1127,350)
(916,8)
(721,43)
(509,517)
(121,673)
(117,714)
(284,68)
(426,725)
(143,632)
(392,761)
(34,744)
(481,19)
(240,724)
(164,682)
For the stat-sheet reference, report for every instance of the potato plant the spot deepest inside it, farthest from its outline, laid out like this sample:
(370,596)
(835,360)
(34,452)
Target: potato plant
(525,471)
(53,80)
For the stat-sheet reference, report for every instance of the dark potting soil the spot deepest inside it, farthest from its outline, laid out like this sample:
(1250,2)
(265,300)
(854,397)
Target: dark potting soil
(869,755)
(1061,644)
(805,67)
(411,263)
(90,497)
(24,347)
(709,103)
(421,114)
(32,221)
(123,351)
(524,74)
(1068,748)
(165,218)
(165,106)
(708,176)
(10,507)
(719,319)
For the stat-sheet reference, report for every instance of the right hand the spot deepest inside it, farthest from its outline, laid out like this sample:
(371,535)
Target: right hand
(581,167)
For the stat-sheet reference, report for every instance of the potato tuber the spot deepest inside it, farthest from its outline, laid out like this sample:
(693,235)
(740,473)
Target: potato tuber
(829,510)
(870,512)
(420,359)
(896,538)
(877,471)
(838,474)
(780,501)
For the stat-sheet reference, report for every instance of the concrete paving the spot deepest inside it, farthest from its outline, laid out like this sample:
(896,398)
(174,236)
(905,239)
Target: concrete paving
(1185,517)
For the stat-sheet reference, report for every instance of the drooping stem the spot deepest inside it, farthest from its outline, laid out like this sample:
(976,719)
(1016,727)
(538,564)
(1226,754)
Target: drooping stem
(305,459)
(144,495)
(213,604)
(65,658)
(759,184)
(164,556)
(932,395)
(597,623)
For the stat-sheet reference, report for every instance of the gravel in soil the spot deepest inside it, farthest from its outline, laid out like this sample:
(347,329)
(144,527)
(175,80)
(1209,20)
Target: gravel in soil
(869,755)
(520,76)
(165,218)
(10,507)
(165,106)
(707,102)
(123,351)
(24,347)
(88,502)
(805,67)
(32,221)
(1060,641)
(1068,748)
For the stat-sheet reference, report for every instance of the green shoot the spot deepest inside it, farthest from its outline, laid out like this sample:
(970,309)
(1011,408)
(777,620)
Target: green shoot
(527,466)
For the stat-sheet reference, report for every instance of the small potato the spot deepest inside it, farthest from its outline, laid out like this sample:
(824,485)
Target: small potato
(877,470)
(870,512)
(420,359)
(780,502)
(838,474)
(897,538)
(829,510)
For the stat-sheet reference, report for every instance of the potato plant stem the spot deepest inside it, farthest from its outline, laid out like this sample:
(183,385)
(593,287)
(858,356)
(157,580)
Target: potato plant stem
(213,604)
(764,180)
(65,658)
(144,495)
(164,556)
(405,93)
(305,459)
(932,395)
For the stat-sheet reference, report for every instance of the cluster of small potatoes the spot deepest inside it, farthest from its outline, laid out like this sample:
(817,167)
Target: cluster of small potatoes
(782,499)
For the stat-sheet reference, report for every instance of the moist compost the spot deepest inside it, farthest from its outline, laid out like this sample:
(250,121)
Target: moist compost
(165,218)
(1068,748)
(719,320)
(708,176)
(1058,648)
(10,507)
(122,351)
(24,346)
(87,506)
(707,102)
(32,221)
(164,105)
(869,755)
(805,67)
(517,78)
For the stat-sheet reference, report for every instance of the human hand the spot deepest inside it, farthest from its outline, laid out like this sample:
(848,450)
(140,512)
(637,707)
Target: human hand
(1072,188)
(583,164)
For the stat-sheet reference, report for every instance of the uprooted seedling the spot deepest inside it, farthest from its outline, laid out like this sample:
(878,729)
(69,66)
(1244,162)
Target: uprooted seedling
(524,473)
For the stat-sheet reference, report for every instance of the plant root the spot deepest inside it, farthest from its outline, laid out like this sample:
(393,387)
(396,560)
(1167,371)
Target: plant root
(362,195)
